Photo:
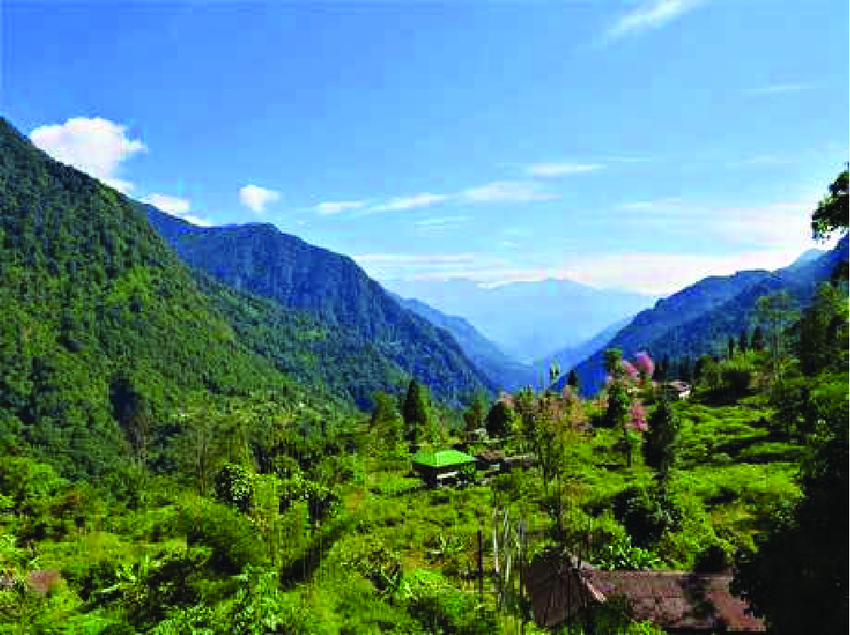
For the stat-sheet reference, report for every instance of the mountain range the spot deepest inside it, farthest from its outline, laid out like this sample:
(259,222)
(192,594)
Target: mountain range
(351,310)
(699,319)
(528,320)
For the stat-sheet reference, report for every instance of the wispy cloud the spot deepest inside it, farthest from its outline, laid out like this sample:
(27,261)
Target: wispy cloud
(507,192)
(442,221)
(655,205)
(647,16)
(175,206)
(256,198)
(561,169)
(335,207)
(649,272)
(424,199)
(495,192)
(776,89)
(96,146)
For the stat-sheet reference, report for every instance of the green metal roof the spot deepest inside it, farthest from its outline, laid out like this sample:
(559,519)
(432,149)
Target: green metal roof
(441,458)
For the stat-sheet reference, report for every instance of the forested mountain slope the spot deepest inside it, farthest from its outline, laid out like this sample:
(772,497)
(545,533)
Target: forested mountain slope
(699,319)
(104,331)
(501,369)
(709,332)
(261,260)
(305,347)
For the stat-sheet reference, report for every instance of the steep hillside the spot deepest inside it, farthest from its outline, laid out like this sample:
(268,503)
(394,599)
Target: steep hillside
(304,346)
(502,370)
(700,318)
(259,259)
(675,310)
(104,332)
(709,332)
(529,320)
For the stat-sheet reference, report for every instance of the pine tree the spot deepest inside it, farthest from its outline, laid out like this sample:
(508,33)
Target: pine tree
(742,341)
(498,419)
(730,347)
(572,379)
(475,414)
(661,442)
(415,412)
(757,342)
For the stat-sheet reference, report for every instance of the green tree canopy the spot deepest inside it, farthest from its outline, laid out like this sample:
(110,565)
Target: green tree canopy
(499,419)
(415,411)
(662,440)
(831,214)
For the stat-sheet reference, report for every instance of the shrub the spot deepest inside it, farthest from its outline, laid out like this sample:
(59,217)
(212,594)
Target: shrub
(233,486)
(646,515)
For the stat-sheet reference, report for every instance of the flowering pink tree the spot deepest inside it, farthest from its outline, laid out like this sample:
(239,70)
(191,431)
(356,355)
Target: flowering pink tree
(629,369)
(645,366)
(637,414)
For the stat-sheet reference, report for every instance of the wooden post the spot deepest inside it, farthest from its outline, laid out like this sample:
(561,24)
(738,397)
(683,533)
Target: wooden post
(480,565)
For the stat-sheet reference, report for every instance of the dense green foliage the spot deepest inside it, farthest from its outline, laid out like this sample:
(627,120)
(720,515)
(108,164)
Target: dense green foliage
(312,351)
(159,474)
(414,411)
(105,335)
(662,441)
(798,570)
(832,212)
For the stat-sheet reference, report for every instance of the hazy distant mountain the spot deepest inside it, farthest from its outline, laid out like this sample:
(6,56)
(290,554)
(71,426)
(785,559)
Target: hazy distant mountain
(528,320)
(807,257)
(570,356)
(257,258)
(502,370)
(699,319)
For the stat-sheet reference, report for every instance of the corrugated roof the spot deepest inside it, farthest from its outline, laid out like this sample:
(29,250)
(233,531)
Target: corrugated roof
(441,458)
(675,600)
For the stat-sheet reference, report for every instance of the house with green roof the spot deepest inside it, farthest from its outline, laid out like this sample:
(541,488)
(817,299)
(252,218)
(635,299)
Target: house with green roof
(436,466)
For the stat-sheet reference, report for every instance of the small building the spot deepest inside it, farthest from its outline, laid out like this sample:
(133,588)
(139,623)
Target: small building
(677,390)
(677,601)
(437,466)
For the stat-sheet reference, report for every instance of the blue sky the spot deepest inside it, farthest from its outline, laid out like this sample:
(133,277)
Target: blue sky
(634,144)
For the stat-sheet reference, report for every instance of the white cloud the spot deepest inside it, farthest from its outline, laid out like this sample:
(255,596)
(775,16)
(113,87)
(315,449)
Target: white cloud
(730,239)
(665,273)
(652,273)
(506,192)
(649,15)
(170,204)
(96,146)
(561,169)
(775,89)
(175,206)
(256,198)
(335,207)
(443,221)
(656,206)
(411,202)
